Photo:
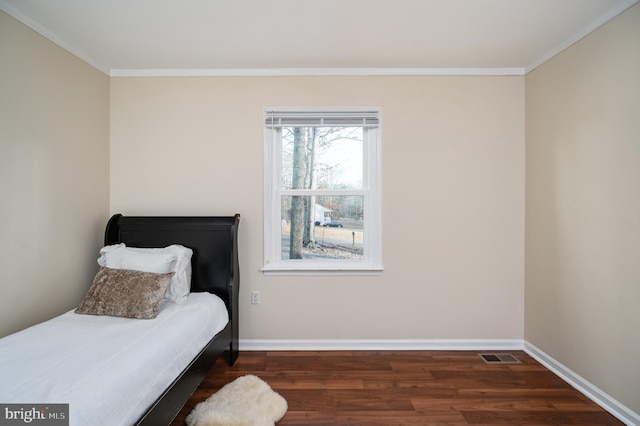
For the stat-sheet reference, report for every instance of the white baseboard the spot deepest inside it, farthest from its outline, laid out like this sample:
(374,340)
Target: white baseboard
(601,398)
(379,344)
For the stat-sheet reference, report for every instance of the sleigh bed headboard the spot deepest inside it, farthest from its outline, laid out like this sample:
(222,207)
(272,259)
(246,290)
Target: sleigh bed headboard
(212,239)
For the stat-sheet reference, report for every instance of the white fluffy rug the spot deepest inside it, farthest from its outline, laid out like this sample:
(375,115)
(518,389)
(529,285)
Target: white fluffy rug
(247,401)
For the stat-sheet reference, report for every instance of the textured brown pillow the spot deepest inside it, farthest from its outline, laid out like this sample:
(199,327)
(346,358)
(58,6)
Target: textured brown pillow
(125,293)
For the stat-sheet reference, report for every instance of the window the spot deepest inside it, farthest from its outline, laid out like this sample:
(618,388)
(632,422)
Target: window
(322,191)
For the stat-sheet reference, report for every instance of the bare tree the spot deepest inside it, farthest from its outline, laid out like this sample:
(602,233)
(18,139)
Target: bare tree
(297,202)
(310,183)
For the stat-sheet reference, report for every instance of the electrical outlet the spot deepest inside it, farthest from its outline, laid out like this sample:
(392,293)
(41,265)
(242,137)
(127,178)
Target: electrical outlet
(255,297)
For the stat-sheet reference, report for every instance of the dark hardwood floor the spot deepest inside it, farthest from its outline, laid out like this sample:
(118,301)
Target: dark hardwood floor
(408,387)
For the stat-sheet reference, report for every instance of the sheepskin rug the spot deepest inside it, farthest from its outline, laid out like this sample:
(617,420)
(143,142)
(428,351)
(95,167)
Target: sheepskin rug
(247,401)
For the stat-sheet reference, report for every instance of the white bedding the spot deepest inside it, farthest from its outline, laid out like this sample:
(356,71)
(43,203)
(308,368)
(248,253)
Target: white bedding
(110,370)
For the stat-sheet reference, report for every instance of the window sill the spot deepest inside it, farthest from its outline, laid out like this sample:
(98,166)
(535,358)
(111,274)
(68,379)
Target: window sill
(321,270)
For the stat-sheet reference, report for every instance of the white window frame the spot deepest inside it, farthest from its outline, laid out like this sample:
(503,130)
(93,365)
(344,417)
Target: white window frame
(371,191)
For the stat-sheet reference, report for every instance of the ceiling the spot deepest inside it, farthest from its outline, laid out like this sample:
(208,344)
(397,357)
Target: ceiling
(163,37)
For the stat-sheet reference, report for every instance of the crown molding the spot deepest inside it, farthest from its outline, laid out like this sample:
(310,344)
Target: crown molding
(51,36)
(286,72)
(583,32)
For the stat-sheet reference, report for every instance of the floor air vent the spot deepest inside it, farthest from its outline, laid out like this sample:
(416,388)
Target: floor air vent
(499,359)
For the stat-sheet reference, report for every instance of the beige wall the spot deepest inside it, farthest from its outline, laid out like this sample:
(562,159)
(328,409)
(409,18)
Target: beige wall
(453,196)
(54,175)
(583,208)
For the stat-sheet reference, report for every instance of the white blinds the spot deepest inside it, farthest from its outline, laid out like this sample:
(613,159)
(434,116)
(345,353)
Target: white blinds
(366,117)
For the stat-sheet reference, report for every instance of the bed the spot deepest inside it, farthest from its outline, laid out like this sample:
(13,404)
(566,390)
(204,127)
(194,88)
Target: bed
(119,371)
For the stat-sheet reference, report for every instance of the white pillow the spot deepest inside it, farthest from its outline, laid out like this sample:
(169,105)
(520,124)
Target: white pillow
(121,257)
(159,263)
(175,258)
(181,282)
(115,253)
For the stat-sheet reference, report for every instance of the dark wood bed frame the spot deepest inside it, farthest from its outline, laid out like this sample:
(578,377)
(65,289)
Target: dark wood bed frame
(214,241)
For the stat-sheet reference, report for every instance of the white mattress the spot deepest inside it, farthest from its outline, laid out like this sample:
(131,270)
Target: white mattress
(110,370)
